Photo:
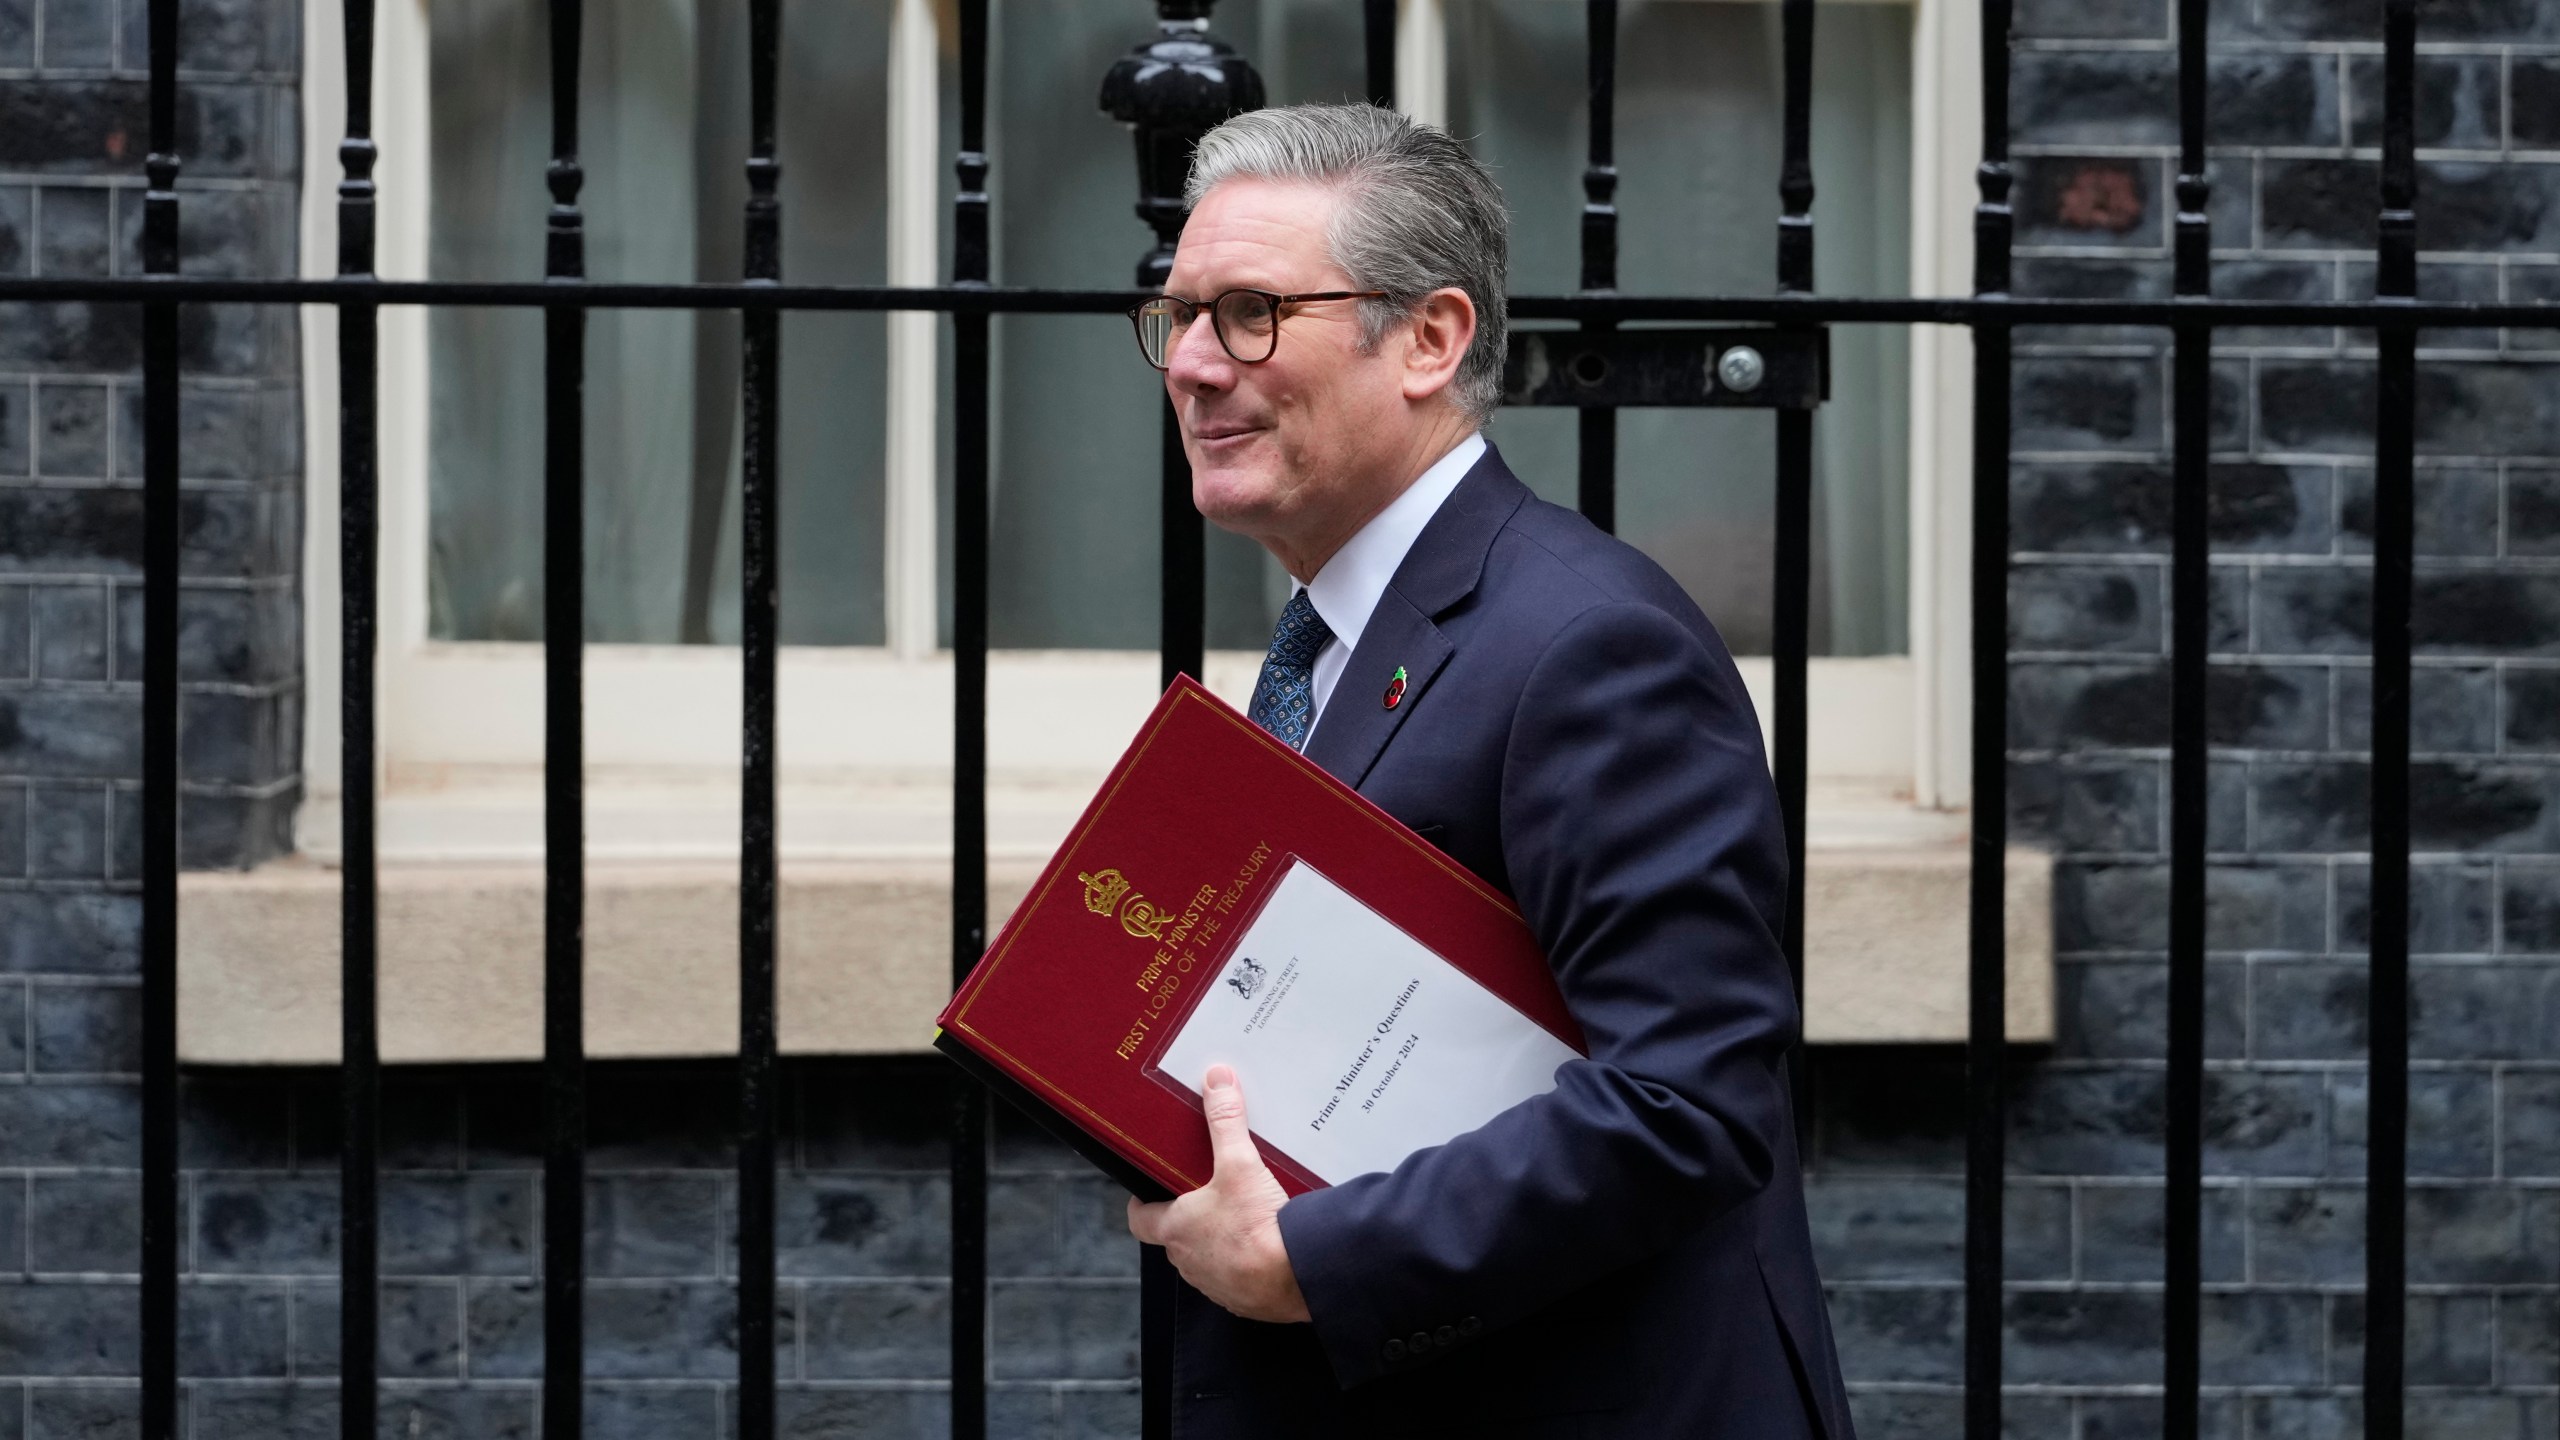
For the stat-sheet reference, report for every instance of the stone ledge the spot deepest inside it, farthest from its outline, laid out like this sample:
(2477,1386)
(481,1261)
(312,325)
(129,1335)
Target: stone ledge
(864,957)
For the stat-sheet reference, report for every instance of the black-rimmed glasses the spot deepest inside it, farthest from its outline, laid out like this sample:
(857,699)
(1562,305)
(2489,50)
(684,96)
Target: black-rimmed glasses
(1247,322)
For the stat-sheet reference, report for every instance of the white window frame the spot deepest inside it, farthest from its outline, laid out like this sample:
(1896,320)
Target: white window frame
(865,731)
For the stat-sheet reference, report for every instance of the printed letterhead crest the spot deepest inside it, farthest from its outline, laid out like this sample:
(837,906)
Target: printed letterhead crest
(1102,891)
(1246,977)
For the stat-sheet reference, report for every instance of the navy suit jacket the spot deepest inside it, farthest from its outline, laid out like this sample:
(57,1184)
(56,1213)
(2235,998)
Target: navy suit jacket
(1626,1255)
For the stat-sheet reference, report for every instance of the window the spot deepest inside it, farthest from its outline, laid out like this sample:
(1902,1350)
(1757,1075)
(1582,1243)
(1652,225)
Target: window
(866,103)
(1698,145)
(662,138)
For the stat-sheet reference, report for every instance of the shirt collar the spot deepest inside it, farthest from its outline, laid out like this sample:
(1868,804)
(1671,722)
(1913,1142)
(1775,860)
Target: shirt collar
(1346,590)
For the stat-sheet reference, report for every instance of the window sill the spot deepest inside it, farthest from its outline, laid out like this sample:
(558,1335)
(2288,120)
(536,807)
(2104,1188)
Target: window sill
(865,932)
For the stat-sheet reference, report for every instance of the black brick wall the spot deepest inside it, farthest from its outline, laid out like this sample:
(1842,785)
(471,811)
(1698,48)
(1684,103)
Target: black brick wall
(72,134)
(2294,109)
(863,1234)
(2295,89)
(72,129)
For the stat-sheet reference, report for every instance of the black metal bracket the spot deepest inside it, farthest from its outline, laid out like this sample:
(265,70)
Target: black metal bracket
(1585,369)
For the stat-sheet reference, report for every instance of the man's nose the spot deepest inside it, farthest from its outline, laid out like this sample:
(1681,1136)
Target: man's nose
(1197,362)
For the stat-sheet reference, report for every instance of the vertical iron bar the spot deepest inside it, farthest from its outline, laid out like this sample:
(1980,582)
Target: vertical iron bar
(1791,613)
(1599,425)
(2190,601)
(1157,1280)
(969,455)
(1185,641)
(759,515)
(564,1060)
(360,1145)
(1378,30)
(160,521)
(1986,1029)
(2395,446)
(1186,574)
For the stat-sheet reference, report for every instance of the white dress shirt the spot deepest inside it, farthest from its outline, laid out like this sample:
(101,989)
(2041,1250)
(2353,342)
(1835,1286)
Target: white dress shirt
(1347,589)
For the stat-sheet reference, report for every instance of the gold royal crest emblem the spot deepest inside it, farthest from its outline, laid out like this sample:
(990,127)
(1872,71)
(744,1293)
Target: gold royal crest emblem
(1103,893)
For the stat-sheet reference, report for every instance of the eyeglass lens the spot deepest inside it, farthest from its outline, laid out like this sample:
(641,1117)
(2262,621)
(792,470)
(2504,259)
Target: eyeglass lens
(1245,321)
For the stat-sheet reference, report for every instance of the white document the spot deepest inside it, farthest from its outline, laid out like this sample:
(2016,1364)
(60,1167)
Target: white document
(1355,1045)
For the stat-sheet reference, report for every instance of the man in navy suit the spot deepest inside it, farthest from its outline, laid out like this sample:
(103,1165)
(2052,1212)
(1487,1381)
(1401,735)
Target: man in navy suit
(1626,1255)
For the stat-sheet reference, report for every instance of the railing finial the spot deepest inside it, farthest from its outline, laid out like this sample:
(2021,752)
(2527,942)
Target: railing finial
(1170,92)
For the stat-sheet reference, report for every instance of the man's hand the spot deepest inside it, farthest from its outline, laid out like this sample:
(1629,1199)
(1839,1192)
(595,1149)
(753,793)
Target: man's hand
(1225,1236)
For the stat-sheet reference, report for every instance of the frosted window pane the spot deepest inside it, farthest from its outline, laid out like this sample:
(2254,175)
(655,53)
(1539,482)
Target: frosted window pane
(663,142)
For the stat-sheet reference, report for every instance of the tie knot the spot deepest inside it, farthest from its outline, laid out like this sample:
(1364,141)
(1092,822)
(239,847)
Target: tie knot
(1300,634)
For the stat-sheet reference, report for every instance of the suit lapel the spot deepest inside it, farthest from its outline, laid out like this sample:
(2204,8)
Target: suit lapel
(1442,568)
(1357,722)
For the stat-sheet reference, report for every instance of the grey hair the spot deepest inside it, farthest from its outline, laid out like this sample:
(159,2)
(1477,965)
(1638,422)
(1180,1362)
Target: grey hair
(1416,214)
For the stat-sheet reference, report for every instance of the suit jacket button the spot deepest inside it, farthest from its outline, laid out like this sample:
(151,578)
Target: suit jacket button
(1395,1350)
(1421,1342)
(1470,1327)
(1445,1335)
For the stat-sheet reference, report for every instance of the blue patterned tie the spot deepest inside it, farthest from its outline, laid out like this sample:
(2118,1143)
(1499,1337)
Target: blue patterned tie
(1284,699)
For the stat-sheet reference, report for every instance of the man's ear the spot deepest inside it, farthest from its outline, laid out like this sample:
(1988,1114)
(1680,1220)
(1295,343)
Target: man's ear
(1441,329)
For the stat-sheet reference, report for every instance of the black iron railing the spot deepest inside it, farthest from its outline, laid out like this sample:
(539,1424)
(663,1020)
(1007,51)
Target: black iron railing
(1597,368)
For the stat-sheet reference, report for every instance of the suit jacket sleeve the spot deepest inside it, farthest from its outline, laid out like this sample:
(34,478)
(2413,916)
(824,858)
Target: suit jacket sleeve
(1641,832)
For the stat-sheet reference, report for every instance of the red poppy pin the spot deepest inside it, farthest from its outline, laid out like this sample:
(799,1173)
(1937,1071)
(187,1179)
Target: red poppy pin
(1395,689)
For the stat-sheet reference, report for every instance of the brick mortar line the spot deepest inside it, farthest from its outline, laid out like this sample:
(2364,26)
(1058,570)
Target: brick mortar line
(2261,45)
(2535,465)
(244,689)
(299,1281)
(2304,1390)
(190,382)
(2167,151)
(187,485)
(2226,558)
(2343,660)
(2456,959)
(137,182)
(2279,959)
(2273,1065)
(2333,1289)
(2237,660)
(2341,958)
(203,789)
(2145,660)
(132,580)
(2117,346)
(533,1384)
(281,79)
(2531,357)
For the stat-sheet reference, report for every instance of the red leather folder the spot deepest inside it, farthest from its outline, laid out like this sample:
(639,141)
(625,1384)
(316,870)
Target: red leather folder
(1137,911)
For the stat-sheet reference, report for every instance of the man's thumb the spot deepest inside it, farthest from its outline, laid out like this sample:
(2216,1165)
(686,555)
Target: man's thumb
(1230,1137)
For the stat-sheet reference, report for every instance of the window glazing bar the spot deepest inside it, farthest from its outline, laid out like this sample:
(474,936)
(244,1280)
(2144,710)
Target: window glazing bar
(911,553)
(1421,59)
